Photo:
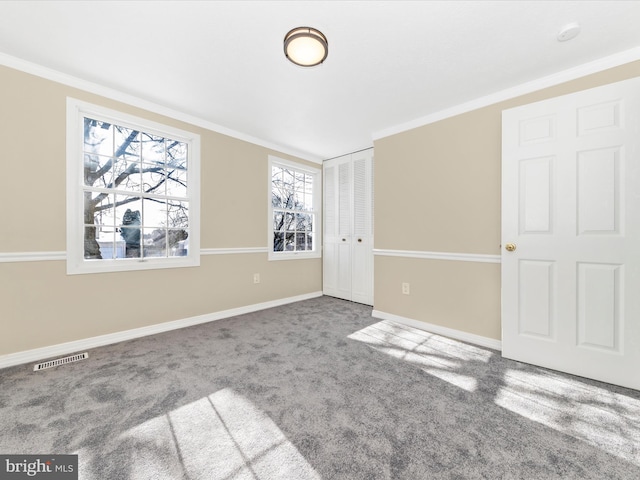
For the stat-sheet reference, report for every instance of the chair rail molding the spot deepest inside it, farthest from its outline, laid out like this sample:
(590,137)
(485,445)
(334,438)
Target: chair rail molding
(11,257)
(461,257)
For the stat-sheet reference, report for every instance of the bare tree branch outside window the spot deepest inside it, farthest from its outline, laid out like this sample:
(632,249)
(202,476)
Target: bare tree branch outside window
(293,217)
(135,193)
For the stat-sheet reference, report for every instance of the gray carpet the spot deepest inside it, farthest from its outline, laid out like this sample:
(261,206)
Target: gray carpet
(317,390)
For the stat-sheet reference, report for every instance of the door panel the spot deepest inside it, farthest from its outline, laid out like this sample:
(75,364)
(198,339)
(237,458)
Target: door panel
(348,236)
(536,282)
(571,207)
(329,245)
(336,254)
(362,242)
(535,195)
(598,191)
(599,306)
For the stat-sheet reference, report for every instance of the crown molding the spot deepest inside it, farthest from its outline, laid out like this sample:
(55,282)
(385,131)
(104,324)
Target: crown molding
(113,94)
(573,73)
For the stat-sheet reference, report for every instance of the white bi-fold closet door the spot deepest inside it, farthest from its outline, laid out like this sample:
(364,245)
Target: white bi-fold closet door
(571,233)
(348,227)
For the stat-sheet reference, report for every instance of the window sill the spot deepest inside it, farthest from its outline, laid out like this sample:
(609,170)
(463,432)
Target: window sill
(127,265)
(293,255)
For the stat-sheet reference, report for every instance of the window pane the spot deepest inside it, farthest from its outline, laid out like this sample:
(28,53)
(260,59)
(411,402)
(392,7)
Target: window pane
(98,137)
(289,242)
(97,170)
(98,209)
(278,242)
(127,202)
(276,175)
(155,242)
(301,241)
(299,182)
(304,222)
(276,198)
(290,221)
(298,200)
(176,154)
(127,176)
(155,212)
(278,221)
(127,143)
(152,149)
(285,199)
(308,201)
(178,214)
(309,241)
(153,179)
(277,191)
(91,245)
(178,243)
(290,200)
(287,179)
(177,182)
(131,237)
(129,219)
(111,245)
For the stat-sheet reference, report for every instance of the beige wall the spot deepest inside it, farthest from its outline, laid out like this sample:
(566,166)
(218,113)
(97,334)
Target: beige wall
(41,306)
(437,189)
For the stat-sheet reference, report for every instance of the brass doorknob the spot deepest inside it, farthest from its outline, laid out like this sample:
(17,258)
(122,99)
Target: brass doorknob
(510,247)
(359,240)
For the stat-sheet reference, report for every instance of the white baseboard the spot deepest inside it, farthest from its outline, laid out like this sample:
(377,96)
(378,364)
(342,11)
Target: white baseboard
(42,353)
(444,331)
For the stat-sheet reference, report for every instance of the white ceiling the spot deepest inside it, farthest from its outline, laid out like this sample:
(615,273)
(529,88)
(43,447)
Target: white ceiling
(389,63)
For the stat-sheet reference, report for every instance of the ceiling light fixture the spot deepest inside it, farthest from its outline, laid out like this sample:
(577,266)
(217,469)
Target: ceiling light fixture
(306,46)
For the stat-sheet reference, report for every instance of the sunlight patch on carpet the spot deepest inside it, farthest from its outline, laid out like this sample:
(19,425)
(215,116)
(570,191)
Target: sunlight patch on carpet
(441,357)
(222,436)
(602,418)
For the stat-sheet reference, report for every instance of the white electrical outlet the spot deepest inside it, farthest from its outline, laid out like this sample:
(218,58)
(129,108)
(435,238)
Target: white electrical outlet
(406,290)
(256,278)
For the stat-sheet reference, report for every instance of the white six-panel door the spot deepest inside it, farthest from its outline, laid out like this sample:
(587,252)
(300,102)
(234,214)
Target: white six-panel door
(571,218)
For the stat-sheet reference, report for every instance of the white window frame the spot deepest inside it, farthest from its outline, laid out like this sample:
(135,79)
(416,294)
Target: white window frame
(317,210)
(76,263)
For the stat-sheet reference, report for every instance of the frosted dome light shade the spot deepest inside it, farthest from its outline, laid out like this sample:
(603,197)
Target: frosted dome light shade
(306,46)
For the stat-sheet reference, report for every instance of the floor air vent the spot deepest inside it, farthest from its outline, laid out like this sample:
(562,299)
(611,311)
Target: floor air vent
(60,361)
